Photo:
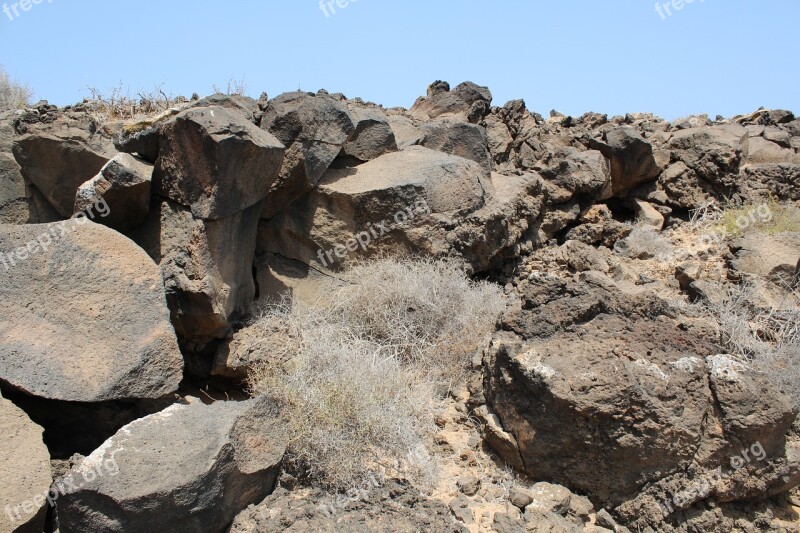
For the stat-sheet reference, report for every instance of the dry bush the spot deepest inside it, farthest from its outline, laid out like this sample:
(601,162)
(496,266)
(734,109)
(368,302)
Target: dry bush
(768,217)
(362,379)
(13,95)
(119,104)
(426,310)
(235,88)
(769,339)
(646,243)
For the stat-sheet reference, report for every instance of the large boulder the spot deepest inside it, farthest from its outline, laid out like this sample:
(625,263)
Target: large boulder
(467,101)
(216,162)
(652,404)
(377,206)
(85,318)
(206,265)
(571,173)
(459,138)
(189,468)
(123,185)
(713,153)
(25,474)
(631,156)
(14,203)
(417,201)
(314,128)
(58,157)
(373,136)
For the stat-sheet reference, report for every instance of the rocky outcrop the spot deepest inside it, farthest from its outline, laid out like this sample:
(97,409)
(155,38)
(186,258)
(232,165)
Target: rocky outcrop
(220,459)
(25,475)
(653,406)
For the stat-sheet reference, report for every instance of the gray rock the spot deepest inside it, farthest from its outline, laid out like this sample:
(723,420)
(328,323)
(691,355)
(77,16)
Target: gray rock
(85,316)
(25,474)
(188,468)
(123,185)
(59,157)
(373,136)
(314,128)
(216,162)
(464,140)
(206,265)
(469,485)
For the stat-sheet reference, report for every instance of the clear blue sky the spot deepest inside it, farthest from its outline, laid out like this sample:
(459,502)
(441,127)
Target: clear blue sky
(611,56)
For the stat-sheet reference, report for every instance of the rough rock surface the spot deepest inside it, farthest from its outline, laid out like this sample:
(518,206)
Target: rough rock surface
(314,128)
(206,265)
(58,157)
(216,162)
(392,507)
(85,319)
(651,403)
(123,185)
(25,474)
(188,468)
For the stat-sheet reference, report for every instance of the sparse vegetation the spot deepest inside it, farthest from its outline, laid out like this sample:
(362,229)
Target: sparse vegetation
(119,104)
(235,88)
(13,95)
(769,339)
(646,243)
(362,378)
(769,217)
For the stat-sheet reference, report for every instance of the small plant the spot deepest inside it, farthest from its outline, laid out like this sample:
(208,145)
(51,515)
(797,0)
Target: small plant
(362,378)
(769,339)
(235,88)
(769,217)
(118,104)
(13,95)
(646,243)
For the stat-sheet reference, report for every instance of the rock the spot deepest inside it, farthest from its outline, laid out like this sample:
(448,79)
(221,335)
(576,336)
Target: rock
(771,257)
(188,468)
(314,128)
(374,204)
(713,153)
(505,523)
(405,132)
(207,266)
(373,136)
(85,317)
(520,498)
(604,519)
(215,162)
(760,151)
(378,506)
(58,157)
(25,474)
(550,498)
(648,216)
(123,185)
(15,205)
(466,100)
(641,388)
(469,485)
(461,139)
(631,156)
(279,277)
(573,172)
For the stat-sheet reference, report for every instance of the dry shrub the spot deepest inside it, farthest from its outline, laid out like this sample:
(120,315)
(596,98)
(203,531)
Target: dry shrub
(769,339)
(117,103)
(13,95)
(646,243)
(362,378)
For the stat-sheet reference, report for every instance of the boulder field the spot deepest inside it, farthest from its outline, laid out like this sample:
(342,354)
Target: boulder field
(131,253)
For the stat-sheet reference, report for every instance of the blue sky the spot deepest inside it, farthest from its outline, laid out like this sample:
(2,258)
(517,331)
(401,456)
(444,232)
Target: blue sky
(612,56)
